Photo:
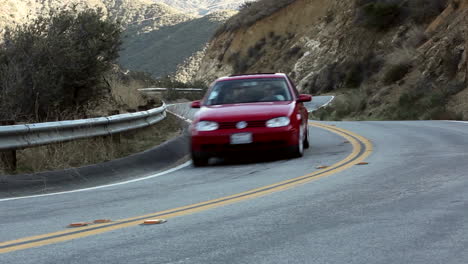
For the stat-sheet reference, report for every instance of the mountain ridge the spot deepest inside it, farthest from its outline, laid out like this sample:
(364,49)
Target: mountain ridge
(157,24)
(203,7)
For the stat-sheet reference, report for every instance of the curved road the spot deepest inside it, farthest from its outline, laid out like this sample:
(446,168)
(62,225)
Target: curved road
(408,205)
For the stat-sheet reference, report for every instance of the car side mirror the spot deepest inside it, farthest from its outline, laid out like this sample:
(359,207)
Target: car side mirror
(196,104)
(304,98)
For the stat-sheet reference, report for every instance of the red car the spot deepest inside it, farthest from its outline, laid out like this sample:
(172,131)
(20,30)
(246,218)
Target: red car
(244,113)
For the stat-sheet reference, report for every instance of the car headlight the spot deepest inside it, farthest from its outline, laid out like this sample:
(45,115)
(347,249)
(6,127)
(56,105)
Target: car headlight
(278,122)
(206,126)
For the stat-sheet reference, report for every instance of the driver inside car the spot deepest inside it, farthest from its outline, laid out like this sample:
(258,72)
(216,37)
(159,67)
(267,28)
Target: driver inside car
(272,93)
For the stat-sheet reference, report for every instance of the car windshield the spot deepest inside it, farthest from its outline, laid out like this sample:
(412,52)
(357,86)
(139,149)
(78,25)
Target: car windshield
(249,91)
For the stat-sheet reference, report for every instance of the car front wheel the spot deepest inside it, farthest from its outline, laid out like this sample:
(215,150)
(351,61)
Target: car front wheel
(297,151)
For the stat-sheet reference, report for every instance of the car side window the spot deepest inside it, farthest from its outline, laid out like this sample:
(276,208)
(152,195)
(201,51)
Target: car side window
(213,97)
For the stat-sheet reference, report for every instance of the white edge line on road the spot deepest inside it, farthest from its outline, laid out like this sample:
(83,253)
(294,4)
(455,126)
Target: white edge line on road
(125,182)
(103,186)
(324,105)
(114,184)
(457,121)
(327,103)
(181,117)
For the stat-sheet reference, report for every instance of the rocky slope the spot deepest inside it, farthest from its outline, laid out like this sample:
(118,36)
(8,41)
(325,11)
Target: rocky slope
(13,12)
(402,61)
(157,37)
(203,7)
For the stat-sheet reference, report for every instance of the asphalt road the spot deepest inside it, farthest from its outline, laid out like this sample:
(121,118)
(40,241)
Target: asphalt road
(318,101)
(408,205)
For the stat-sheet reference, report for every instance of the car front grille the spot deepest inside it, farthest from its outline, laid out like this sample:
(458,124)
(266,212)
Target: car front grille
(232,125)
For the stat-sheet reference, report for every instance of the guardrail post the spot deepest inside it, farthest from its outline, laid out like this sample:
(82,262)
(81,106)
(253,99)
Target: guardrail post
(116,138)
(8,157)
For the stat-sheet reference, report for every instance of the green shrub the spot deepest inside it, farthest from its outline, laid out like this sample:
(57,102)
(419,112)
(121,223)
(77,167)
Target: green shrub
(395,73)
(383,14)
(416,36)
(348,105)
(295,51)
(380,15)
(55,63)
(426,101)
(424,11)
(354,76)
(406,108)
(255,51)
(450,61)
(453,87)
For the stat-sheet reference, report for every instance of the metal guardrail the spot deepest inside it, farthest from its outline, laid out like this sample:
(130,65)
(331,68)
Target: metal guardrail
(165,89)
(162,90)
(30,135)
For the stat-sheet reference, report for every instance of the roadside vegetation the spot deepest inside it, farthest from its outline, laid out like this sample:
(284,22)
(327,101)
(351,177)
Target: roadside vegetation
(346,106)
(56,64)
(63,67)
(95,150)
(402,81)
(423,102)
(172,95)
(384,14)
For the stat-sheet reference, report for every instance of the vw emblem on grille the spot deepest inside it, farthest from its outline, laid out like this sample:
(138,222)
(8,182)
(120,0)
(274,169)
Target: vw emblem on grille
(241,125)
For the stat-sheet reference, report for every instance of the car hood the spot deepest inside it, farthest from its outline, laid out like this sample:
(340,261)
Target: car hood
(245,112)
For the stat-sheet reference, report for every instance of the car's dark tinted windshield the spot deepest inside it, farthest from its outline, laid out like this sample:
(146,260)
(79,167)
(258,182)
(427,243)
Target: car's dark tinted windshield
(249,91)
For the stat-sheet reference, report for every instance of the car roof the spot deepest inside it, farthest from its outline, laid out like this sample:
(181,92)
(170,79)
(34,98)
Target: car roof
(252,76)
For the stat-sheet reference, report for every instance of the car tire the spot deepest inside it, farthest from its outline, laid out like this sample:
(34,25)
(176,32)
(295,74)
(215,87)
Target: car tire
(306,140)
(297,151)
(199,160)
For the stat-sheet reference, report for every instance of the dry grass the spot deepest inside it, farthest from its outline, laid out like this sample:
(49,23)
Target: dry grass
(349,103)
(126,93)
(398,64)
(122,96)
(403,55)
(95,150)
(416,36)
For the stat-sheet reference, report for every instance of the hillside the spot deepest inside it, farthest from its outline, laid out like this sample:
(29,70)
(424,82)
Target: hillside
(13,12)
(160,51)
(392,60)
(157,36)
(202,7)
(137,15)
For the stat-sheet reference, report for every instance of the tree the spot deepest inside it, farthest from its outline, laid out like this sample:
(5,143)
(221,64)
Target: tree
(55,62)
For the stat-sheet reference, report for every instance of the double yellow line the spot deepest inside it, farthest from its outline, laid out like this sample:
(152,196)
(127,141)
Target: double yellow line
(361,149)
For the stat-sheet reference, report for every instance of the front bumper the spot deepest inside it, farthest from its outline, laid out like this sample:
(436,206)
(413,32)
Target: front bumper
(218,142)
